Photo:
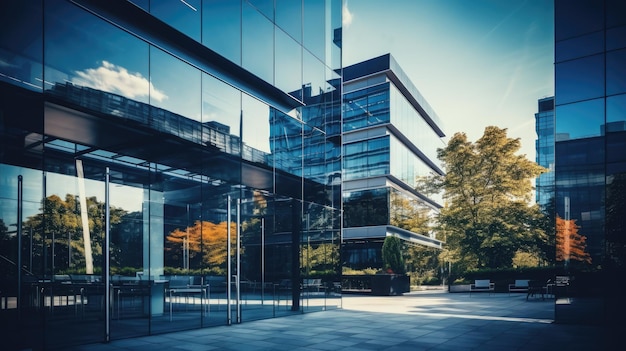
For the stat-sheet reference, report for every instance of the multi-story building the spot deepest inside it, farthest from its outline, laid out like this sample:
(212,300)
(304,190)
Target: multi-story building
(544,146)
(166,165)
(590,162)
(390,141)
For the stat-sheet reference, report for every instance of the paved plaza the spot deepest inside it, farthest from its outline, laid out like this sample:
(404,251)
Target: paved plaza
(414,321)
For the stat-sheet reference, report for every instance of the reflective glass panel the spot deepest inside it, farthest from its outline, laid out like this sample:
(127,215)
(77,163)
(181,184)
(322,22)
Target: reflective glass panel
(615,10)
(116,62)
(21,44)
(256,130)
(288,65)
(616,72)
(175,90)
(221,27)
(221,115)
(289,17)
(266,7)
(616,110)
(257,43)
(579,79)
(616,38)
(314,76)
(315,27)
(366,207)
(183,15)
(580,120)
(334,35)
(580,46)
(588,15)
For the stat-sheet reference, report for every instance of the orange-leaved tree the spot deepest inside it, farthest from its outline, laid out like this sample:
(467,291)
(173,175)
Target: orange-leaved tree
(570,245)
(206,240)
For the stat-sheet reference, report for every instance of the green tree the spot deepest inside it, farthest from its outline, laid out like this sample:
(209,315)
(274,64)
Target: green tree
(60,224)
(392,255)
(488,217)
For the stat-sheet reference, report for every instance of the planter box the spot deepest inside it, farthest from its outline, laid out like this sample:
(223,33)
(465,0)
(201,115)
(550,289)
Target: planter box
(460,288)
(390,284)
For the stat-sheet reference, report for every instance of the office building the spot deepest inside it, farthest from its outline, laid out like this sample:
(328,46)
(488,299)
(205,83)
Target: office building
(390,141)
(166,165)
(544,147)
(590,163)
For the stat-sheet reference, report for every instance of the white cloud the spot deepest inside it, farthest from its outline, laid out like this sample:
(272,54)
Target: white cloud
(347,16)
(116,79)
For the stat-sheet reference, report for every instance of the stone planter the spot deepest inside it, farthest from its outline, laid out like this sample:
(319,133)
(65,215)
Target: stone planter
(459,288)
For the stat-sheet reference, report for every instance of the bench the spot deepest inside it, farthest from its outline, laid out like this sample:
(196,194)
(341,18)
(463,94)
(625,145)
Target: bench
(520,285)
(310,284)
(482,285)
(187,287)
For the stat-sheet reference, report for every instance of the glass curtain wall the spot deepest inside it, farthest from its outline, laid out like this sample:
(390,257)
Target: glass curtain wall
(141,195)
(590,138)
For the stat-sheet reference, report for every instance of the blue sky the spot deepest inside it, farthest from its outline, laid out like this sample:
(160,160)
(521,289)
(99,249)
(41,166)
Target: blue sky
(478,63)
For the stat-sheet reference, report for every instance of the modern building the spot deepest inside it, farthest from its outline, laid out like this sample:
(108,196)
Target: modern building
(166,165)
(390,141)
(544,147)
(590,162)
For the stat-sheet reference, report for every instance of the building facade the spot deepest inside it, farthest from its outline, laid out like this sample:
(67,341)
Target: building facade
(390,139)
(590,163)
(544,147)
(166,165)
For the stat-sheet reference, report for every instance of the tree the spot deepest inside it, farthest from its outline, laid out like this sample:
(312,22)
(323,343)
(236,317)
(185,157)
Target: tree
(206,242)
(59,222)
(570,245)
(392,255)
(487,217)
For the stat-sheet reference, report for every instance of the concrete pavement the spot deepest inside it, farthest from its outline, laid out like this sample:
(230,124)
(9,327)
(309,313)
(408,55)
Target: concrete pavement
(414,321)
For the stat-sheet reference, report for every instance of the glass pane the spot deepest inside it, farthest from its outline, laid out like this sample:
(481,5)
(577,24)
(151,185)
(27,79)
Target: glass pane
(616,72)
(257,43)
(221,114)
(256,130)
(21,44)
(314,78)
(116,63)
(286,144)
(315,27)
(74,233)
(334,35)
(616,112)
(580,120)
(182,15)
(258,292)
(179,98)
(616,38)
(587,14)
(289,17)
(130,276)
(266,7)
(580,46)
(288,65)
(223,17)
(176,229)
(615,10)
(580,79)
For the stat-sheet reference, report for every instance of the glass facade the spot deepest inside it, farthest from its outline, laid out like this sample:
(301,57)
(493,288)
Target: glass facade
(155,176)
(544,146)
(590,166)
(390,138)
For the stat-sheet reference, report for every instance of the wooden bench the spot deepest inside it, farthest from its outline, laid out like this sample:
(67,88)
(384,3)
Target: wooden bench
(482,285)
